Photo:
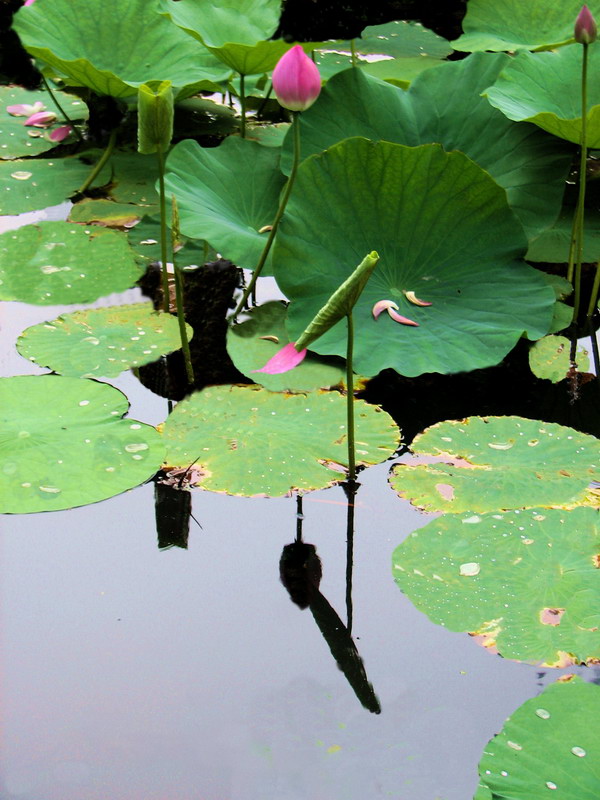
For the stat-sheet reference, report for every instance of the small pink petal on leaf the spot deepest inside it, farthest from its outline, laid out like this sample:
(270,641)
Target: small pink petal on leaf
(412,298)
(383,305)
(401,319)
(41,119)
(285,359)
(59,134)
(25,109)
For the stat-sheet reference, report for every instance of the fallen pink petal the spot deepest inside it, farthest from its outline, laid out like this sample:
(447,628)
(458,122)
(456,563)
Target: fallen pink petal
(284,360)
(41,119)
(25,109)
(412,298)
(296,80)
(60,134)
(383,305)
(402,320)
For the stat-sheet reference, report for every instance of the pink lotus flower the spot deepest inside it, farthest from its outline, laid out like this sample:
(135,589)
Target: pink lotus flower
(41,119)
(25,109)
(586,30)
(284,360)
(296,80)
(59,134)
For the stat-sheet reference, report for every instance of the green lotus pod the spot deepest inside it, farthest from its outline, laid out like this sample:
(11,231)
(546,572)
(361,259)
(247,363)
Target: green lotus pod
(155,116)
(341,302)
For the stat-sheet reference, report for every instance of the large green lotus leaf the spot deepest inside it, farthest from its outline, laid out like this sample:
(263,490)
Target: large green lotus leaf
(254,341)
(144,238)
(115,47)
(544,88)
(549,358)
(31,184)
(515,25)
(17,140)
(490,463)
(245,440)
(547,747)
(443,230)
(526,583)
(233,30)
(101,342)
(552,244)
(445,105)
(60,262)
(226,195)
(64,443)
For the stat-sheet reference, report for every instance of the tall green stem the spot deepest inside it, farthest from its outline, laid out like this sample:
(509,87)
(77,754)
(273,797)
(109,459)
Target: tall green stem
(163,229)
(243,105)
(97,169)
(185,345)
(75,130)
(284,200)
(594,294)
(579,218)
(353,53)
(350,399)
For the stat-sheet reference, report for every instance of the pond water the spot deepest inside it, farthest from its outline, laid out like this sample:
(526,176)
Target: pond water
(134,673)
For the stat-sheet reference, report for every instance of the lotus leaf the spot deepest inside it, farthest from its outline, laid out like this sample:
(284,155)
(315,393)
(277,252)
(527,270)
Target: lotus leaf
(444,233)
(526,583)
(101,342)
(114,48)
(544,88)
(65,444)
(16,139)
(226,195)
(514,25)
(549,358)
(245,440)
(254,341)
(60,262)
(495,463)
(144,238)
(552,244)
(445,105)
(108,213)
(548,743)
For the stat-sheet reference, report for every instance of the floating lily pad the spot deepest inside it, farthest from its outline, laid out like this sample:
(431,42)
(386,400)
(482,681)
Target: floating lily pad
(226,195)
(445,105)
(549,358)
(114,49)
(65,444)
(253,342)
(59,262)
(245,440)
(526,583)
(491,463)
(16,139)
(101,342)
(514,25)
(545,88)
(233,30)
(548,743)
(108,213)
(444,232)
(144,238)
(33,184)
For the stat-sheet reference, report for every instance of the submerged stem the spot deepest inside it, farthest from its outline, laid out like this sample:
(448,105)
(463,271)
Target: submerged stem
(98,166)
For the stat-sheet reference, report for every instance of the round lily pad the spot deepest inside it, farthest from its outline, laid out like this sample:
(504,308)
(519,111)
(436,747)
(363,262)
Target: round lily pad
(144,238)
(490,463)
(446,237)
(226,195)
(16,139)
(514,25)
(548,747)
(101,342)
(65,443)
(114,49)
(549,358)
(526,583)
(245,440)
(545,88)
(60,262)
(255,340)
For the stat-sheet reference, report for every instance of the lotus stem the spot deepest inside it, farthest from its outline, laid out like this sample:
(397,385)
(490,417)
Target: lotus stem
(353,53)
(185,345)
(243,105)
(100,163)
(350,399)
(579,218)
(284,200)
(594,294)
(163,229)
(75,130)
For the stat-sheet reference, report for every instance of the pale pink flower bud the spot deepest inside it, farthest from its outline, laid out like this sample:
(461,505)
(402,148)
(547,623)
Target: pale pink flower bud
(59,134)
(586,30)
(41,119)
(25,109)
(285,359)
(296,80)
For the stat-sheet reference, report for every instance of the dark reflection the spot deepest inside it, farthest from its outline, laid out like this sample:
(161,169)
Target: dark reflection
(300,572)
(173,508)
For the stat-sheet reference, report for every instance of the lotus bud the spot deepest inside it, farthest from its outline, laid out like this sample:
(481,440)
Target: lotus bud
(60,134)
(41,119)
(296,80)
(586,30)
(25,109)
(155,117)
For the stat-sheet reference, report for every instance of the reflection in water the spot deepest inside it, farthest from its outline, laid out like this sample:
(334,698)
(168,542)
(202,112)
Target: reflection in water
(300,572)
(173,508)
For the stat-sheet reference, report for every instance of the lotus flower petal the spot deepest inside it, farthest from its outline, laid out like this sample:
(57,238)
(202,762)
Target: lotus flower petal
(284,360)
(41,119)
(586,30)
(25,109)
(296,80)
(383,305)
(59,134)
